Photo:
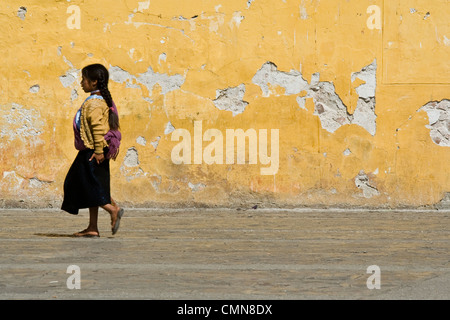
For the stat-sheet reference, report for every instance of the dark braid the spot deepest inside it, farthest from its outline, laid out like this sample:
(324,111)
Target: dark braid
(103,87)
(100,73)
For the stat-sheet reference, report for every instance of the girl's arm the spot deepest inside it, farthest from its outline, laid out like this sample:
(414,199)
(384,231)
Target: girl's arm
(98,126)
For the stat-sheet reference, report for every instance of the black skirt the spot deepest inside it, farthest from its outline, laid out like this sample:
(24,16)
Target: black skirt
(87,183)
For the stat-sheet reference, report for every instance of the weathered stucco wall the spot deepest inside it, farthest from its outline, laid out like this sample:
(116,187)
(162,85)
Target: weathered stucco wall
(343,102)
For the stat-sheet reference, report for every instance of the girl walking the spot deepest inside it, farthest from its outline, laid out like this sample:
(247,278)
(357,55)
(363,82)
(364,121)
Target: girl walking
(97,139)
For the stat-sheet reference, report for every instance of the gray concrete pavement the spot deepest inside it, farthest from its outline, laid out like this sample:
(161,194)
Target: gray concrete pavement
(226,254)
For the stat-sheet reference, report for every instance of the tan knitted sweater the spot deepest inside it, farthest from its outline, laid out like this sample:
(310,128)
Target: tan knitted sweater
(94,124)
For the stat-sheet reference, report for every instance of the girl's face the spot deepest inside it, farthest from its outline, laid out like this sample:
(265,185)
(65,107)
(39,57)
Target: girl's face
(88,85)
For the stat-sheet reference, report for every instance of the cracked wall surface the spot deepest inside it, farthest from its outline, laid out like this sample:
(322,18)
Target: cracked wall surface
(439,121)
(349,108)
(328,106)
(231,99)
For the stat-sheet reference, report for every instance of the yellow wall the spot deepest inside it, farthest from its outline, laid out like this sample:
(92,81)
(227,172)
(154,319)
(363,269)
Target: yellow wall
(357,91)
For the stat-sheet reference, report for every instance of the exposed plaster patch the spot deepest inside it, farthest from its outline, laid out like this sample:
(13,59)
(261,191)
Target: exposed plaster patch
(37,183)
(301,101)
(169,128)
(106,27)
(231,99)
(69,78)
(155,142)
(444,203)
(12,180)
(141,140)
(35,88)
(315,79)
(155,180)
(236,19)
(328,106)
(446,41)
(18,122)
(214,21)
(130,167)
(119,75)
(70,64)
(303,13)
(162,57)
(347,152)
(74,94)
(196,187)
(365,116)
(17,183)
(181,18)
(362,182)
(368,75)
(144,5)
(149,79)
(12,174)
(249,3)
(148,100)
(167,83)
(131,52)
(439,121)
(21,13)
(292,81)
(131,158)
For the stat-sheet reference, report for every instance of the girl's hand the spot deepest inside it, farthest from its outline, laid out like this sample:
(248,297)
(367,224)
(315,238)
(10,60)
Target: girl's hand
(98,157)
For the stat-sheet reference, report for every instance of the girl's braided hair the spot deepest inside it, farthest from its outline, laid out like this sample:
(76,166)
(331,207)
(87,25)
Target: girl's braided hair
(100,73)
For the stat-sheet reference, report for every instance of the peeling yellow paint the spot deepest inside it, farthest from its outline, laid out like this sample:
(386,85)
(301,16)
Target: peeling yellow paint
(359,91)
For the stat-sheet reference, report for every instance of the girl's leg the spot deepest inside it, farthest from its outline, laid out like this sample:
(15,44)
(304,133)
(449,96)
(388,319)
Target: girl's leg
(113,210)
(92,229)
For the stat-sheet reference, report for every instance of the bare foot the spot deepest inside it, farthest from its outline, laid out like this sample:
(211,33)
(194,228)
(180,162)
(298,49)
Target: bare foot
(116,220)
(88,233)
(114,216)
